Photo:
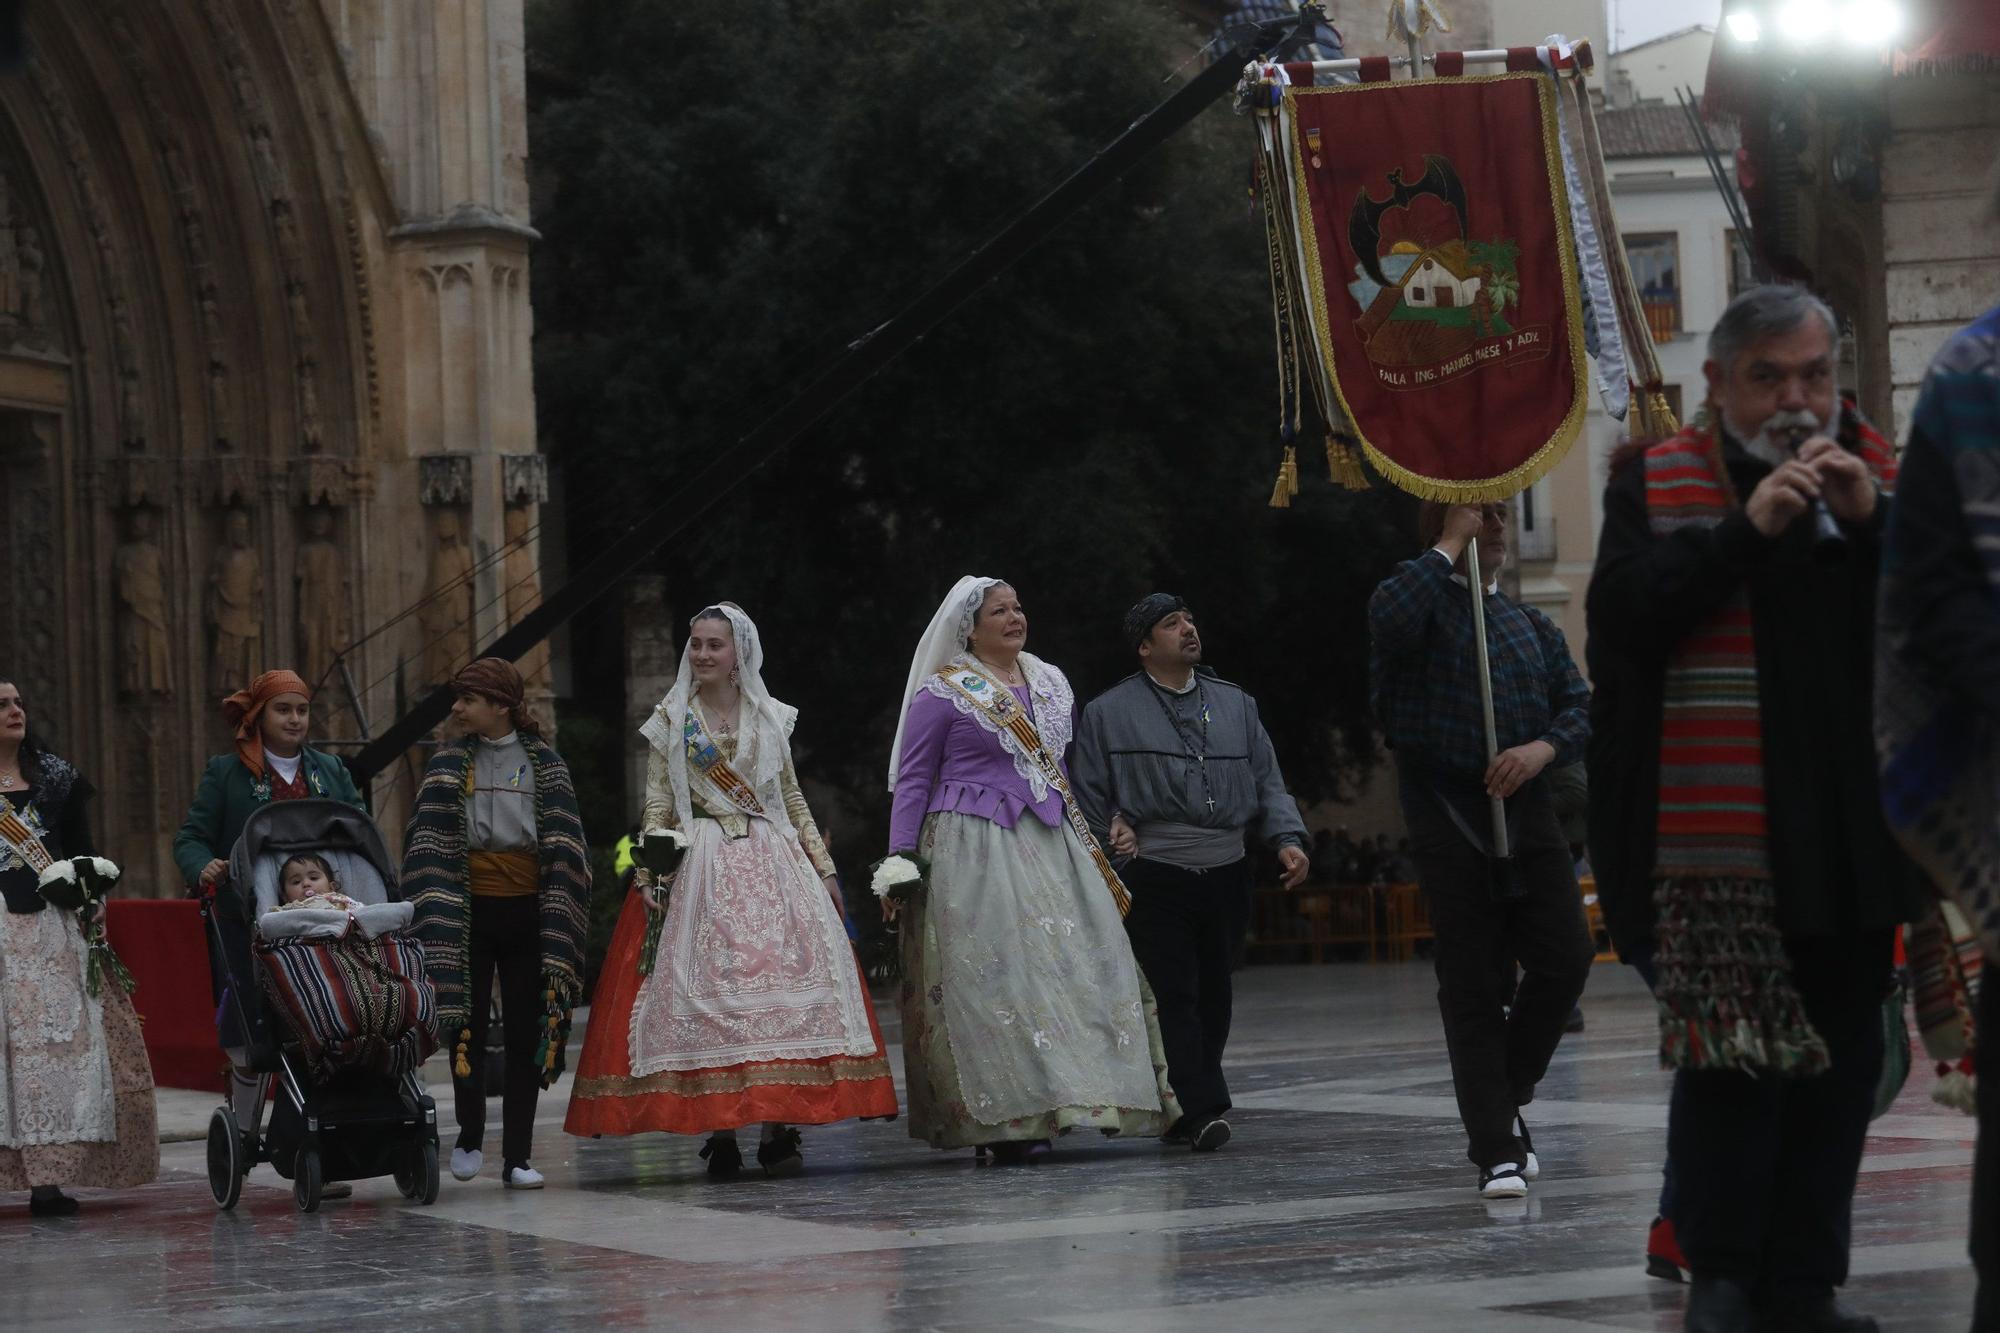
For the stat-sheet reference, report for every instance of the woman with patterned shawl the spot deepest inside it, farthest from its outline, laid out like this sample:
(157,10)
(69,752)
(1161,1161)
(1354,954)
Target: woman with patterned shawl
(270,762)
(730,996)
(1024,1013)
(76,1091)
(495,863)
(1937,692)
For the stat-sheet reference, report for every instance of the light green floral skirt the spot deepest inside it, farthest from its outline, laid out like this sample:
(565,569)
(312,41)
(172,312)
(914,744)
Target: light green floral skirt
(1024,1013)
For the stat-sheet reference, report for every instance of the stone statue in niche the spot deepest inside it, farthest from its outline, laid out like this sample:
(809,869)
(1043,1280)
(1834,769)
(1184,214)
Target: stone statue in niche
(28,254)
(10,274)
(322,592)
(524,589)
(445,617)
(310,436)
(145,662)
(235,608)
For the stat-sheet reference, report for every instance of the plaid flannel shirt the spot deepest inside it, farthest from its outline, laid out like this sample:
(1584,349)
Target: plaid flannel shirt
(1423,672)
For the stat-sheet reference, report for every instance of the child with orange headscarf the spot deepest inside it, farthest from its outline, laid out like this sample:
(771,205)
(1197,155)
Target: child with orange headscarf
(271,762)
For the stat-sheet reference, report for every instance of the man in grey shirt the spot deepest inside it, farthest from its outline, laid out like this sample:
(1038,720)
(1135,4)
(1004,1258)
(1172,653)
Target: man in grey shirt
(1172,765)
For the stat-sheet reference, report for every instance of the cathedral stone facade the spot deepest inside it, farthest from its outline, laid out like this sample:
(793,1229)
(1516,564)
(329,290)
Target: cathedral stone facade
(265,382)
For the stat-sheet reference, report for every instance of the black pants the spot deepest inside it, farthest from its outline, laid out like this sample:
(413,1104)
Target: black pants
(506,937)
(1185,925)
(1986,1173)
(1534,919)
(1764,1167)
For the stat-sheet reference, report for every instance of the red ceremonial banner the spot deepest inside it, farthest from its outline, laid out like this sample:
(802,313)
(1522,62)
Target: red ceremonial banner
(1435,235)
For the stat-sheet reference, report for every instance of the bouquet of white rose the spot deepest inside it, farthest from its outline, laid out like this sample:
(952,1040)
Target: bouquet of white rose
(77,885)
(900,878)
(660,850)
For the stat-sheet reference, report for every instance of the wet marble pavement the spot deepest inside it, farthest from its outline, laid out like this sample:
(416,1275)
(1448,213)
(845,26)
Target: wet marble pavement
(1344,1203)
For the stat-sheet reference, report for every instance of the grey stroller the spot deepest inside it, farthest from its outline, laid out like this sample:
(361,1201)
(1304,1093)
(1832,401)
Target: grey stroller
(344,1110)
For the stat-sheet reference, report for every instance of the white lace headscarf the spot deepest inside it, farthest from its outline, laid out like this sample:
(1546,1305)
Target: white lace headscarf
(943,642)
(763,727)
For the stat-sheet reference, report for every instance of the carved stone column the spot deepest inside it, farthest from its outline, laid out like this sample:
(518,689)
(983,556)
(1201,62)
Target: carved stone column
(321,488)
(524,488)
(446,633)
(651,662)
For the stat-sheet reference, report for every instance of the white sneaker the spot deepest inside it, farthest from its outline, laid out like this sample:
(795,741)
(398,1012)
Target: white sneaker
(521,1178)
(465,1163)
(1503,1182)
(1533,1169)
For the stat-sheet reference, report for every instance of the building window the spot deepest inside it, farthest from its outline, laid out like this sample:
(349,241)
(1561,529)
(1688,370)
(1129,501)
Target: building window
(1535,523)
(1742,272)
(1656,268)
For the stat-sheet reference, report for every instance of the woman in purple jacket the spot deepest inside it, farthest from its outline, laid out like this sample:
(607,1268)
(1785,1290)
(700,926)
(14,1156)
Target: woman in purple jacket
(1024,1015)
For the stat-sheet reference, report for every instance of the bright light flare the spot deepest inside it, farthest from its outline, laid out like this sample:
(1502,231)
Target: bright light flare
(1871,23)
(1745,26)
(1805,21)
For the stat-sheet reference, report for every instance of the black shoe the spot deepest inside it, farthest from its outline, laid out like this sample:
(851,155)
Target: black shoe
(1819,1314)
(1718,1305)
(57,1204)
(1014,1152)
(724,1158)
(781,1156)
(1575,1021)
(1210,1135)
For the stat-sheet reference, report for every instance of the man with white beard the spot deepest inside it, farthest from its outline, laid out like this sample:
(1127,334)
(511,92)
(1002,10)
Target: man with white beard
(1737,837)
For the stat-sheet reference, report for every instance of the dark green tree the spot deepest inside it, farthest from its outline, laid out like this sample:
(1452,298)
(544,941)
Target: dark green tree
(729,194)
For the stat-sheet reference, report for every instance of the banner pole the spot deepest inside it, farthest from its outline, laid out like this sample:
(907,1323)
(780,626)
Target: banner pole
(1475,579)
(1476,582)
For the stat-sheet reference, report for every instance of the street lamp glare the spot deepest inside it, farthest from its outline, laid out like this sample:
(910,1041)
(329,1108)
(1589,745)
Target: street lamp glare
(1871,23)
(1745,27)
(1805,21)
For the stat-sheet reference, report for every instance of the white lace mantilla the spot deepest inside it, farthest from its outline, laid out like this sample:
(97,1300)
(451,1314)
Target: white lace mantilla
(1052,706)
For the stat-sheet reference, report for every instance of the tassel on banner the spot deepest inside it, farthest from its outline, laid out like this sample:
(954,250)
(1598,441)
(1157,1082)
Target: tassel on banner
(1345,464)
(1288,480)
(1662,413)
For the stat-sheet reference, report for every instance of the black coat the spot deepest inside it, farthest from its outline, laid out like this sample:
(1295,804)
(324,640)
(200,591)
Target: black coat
(1835,865)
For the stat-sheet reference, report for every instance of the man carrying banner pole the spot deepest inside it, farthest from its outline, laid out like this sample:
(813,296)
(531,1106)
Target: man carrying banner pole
(1488,908)
(1433,251)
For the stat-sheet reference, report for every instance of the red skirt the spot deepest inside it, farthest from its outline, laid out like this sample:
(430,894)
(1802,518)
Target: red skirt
(606,1099)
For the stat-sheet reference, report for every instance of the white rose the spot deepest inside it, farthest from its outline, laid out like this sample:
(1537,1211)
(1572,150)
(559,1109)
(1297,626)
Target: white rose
(107,871)
(892,872)
(58,872)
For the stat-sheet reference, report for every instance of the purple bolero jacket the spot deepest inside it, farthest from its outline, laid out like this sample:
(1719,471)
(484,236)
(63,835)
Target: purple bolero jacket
(952,761)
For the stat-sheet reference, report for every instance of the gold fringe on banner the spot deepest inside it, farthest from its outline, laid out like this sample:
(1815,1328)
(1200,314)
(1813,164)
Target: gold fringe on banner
(1288,480)
(1343,460)
(1662,415)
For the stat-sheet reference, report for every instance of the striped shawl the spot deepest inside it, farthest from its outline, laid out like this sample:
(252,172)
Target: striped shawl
(1725,985)
(437,868)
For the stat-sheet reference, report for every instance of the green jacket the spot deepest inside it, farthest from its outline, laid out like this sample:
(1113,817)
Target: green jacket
(227,798)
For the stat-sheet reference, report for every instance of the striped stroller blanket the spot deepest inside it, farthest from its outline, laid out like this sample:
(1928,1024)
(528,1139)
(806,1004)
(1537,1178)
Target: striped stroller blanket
(352,1003)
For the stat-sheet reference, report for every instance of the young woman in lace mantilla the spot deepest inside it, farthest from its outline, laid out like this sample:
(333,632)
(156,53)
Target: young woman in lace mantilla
(731,996)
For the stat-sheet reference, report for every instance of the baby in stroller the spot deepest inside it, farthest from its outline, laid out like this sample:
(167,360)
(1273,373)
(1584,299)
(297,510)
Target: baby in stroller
(308,876)
(344,978)
(336,1002)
